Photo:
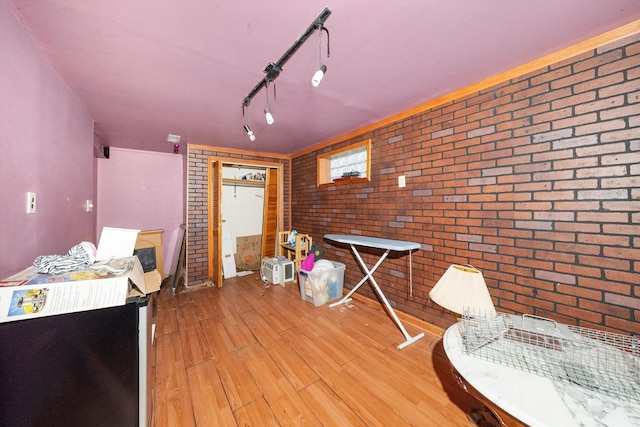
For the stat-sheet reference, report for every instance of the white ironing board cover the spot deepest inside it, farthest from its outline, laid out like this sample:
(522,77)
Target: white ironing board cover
(373,242)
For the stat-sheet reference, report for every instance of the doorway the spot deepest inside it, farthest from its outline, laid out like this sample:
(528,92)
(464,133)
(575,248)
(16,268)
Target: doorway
(257,212)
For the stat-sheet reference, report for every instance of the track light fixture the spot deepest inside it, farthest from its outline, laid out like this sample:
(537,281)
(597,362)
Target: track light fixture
(249,132)
(273,70)
(319,74)
(246,127)
(268,116)
(267,110)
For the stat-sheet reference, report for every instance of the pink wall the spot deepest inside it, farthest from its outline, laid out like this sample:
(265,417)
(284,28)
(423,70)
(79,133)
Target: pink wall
(142,190)
(46,137)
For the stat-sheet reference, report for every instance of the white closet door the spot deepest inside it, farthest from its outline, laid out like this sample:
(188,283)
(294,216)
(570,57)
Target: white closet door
(228,260)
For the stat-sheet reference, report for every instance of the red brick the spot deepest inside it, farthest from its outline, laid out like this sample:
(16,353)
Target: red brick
(603,172)
(582,107)
(553,195)
(632,49)
(575,121)
(622,300)
(616,66)
(513,106)
(552,155)
(599,127)
(623,277)
(621,135)
(603,217)
(574,79)
(579,314)
(580,292)
(633,74)
(598,261)
(620,112)
(514,86)
(612,90)
(577,270)
(556,74)
(487,115)
(622,253)
(531,130)
(631,327)
(595,61)
(532,111)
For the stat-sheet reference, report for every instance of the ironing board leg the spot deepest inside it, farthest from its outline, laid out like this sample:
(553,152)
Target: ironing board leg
(369,275)
(347,297)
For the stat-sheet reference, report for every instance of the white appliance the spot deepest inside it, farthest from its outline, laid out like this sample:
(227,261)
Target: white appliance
(277,270)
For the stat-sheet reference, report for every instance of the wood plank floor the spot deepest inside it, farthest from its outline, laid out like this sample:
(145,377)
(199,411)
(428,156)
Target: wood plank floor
(247,355)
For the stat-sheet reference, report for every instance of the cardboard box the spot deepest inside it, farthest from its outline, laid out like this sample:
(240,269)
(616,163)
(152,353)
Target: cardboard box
(116,276)
(248,251)
(28,295)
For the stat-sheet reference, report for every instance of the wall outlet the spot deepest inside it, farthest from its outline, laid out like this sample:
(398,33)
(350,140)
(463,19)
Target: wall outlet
(31,202)
(402,182)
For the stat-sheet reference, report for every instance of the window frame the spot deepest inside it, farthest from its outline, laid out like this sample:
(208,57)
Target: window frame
(324,165)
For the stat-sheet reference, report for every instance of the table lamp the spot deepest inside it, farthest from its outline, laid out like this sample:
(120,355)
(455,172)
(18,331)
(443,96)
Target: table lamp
(462,288)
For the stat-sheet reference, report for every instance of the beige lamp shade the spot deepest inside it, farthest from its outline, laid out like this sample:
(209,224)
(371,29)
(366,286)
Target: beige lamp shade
(461,288)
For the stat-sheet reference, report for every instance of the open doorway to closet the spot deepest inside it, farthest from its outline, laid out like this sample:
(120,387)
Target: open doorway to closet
(245,204)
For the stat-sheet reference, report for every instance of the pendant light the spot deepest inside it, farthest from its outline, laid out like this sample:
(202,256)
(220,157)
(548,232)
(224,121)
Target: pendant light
(246,127)
(267,111)
(322,69)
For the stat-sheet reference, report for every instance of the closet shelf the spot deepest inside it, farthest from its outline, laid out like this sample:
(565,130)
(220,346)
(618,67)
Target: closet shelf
(243,182)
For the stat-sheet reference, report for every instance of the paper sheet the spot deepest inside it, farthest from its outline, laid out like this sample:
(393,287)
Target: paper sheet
(116,243)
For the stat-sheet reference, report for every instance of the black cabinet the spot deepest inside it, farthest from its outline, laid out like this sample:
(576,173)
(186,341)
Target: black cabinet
(79,369)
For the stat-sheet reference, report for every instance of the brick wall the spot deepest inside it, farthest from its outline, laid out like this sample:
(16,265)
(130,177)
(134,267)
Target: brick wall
(197,205)
(535,181)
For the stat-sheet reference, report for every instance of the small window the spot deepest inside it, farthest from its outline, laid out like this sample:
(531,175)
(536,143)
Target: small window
(345,165)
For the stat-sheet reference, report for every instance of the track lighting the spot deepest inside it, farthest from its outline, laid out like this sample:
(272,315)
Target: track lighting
(249,132)
(273,70)
(246,127)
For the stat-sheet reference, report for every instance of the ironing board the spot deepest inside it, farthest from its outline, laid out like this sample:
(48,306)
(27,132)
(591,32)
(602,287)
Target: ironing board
(388,245)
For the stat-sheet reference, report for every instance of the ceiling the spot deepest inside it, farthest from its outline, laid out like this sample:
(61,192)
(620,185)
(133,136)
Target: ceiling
(147,69)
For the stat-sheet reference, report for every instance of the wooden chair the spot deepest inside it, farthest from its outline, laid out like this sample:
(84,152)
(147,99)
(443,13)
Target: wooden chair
(297,253)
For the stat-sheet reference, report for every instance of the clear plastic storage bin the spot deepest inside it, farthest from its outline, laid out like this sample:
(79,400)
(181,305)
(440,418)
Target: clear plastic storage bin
(323,286)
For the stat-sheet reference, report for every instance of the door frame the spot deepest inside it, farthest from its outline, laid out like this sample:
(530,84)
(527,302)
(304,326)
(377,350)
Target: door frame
(214,222)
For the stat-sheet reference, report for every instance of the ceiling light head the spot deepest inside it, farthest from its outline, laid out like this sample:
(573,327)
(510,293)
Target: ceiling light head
(268,116)
(318,75)
(249,132)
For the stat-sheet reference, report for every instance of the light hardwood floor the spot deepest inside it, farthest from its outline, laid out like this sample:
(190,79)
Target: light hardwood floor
(246,355)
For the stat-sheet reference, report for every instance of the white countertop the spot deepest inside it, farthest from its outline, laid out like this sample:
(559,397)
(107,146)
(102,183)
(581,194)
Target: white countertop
(535,400)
